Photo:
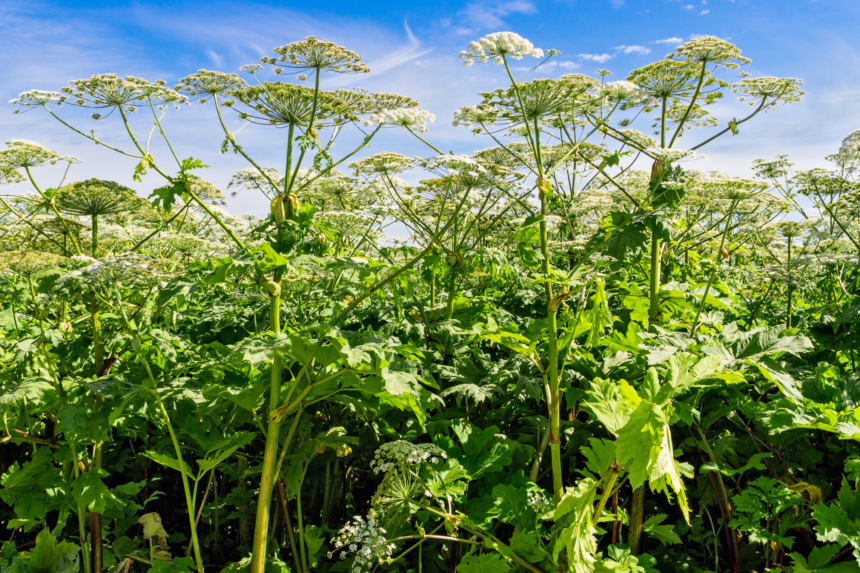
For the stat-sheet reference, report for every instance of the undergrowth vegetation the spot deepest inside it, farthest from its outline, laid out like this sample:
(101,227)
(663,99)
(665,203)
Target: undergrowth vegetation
(588,354)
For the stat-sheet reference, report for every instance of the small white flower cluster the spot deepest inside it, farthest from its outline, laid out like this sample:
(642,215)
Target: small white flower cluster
(475,115)
(82,260)
(539,502)
(470,199)
(411,118)
(345,222)
(848,156)
(670,155)
(453,164)
(126,268)
(625,91)
(497,46)
(403,452)
(23,153)
(37,97)
(363,539)
(251,178)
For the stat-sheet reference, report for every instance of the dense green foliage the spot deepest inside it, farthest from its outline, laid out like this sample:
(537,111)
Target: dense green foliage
(588,355)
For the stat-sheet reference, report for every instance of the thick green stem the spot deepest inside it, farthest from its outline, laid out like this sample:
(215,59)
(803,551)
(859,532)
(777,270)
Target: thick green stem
(270,454)
(554,397)
(36,310)
(452,292)
(81,518)
(790,289)
(607,492)
(637,512)
(654,286)
(637,509)
(302,550)
(98,349)
(289,167)
(95,230)
(97,556)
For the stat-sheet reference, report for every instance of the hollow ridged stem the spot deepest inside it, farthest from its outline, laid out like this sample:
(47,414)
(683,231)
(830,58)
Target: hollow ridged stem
(270,454)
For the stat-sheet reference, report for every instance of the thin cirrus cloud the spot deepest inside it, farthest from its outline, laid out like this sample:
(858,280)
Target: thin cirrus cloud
(641,50)
(411,51)
(484,15)
(599,58)
(673,41)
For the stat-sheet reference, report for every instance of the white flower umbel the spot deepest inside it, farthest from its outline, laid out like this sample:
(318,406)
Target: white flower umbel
(8,176)
(24,154)
(848,156)
(365,542)
(252,178)
(674,155)
(498,46)
(539,502)
(344,222)
(475,115)
(311,54)
(403,452)
(625,91)
(205,84)
(128,268)
(453,164)
(37,97)
(408,118)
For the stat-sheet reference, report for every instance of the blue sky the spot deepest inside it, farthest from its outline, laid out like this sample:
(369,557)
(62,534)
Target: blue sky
(412,49)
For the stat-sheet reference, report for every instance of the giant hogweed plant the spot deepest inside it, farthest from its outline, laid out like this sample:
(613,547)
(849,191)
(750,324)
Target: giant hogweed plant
(642,325)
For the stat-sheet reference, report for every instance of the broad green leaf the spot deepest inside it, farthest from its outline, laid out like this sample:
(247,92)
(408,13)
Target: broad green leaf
(608,405)
(314,540)
(34,391)
(34,488)
(235,442)
(819,561)
(48,556)
(600,456)
(90,491)
(579,538)
(685,370)
(616,342)
(598,315)
(640,442)
(169,462)
(483,563)
(755,462)
(664,533)
(513,506)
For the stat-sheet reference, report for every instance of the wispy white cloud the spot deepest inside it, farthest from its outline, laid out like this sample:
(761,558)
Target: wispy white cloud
(672,40)
(484,15)
(216,59)
(569,65)
(687,7)
(617,3)
(642,50)
(411,51)
(599,58)
(703,12)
